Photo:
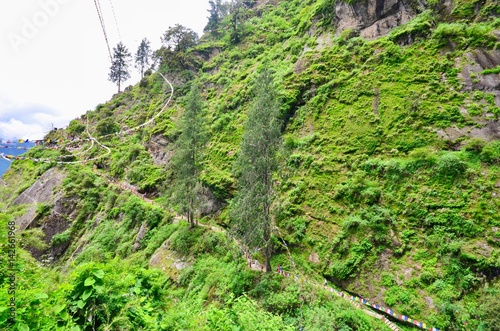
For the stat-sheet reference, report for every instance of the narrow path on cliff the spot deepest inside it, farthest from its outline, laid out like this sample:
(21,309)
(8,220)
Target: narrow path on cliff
(357,302)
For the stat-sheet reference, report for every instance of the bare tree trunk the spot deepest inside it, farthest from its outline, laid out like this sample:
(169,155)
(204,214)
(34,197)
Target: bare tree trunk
(268,245)
(190,219)
(268,252)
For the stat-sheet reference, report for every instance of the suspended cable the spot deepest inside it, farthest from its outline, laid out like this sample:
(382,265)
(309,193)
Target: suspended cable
(101,19)
(116,21)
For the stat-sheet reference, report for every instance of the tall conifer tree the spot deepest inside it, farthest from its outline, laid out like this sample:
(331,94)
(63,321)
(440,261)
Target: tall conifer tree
(143,55)
(251,212)
(119,66)
(187,160)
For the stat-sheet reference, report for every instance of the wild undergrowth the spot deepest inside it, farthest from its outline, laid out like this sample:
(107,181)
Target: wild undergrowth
(373,195)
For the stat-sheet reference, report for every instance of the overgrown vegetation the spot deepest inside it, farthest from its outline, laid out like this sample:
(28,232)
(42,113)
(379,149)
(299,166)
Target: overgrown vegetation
(372,197)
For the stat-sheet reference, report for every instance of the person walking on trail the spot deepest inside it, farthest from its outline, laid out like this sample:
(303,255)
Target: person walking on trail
(325,283)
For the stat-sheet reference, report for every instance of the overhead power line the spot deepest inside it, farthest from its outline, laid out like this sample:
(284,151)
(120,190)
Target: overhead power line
(101,19)
(116,21)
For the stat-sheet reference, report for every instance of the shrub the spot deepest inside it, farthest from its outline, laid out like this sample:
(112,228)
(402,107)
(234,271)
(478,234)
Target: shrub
(445,31)
(421,157)
(491,152)
(33,238)
(491,71)
(43,210)
(185,240)
(475,145)
(107,126)
(61,238)
(449,165)
(359,190)
(75,128)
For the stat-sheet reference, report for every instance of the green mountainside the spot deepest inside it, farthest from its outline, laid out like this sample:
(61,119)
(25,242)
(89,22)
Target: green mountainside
(388,180)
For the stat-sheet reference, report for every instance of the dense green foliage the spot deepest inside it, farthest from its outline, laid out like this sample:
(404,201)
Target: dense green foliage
(252,209)
(375,194)
(188,159)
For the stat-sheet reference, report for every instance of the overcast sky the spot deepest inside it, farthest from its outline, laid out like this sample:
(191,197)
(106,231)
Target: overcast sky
(54,63)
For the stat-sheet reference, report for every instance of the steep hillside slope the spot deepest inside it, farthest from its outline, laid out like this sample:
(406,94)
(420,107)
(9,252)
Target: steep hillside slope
(389,179)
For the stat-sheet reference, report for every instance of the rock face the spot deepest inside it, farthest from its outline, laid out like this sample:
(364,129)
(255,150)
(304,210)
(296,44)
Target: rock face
(314,257)
(46,190)
(142,233)
(372,18)
(490,131)
(475,63)
(167,260)
(157,147)
(473,79)
(42,191)
(211,205)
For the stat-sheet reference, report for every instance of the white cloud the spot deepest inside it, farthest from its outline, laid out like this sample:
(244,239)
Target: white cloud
(12,128)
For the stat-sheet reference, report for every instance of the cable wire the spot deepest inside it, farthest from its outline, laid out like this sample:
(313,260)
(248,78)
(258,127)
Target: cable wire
(101,19)
(116,21)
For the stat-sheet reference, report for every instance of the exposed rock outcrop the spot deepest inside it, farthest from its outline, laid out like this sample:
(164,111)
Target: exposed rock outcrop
(490,131)
(42,191)
(157,147)
(140,235)
(169,261)
(46,190)
(473,78)
(373,18)
(476,63)
(211,204)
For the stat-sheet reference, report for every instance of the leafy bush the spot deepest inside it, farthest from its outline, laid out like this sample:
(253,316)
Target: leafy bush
(476,34)
(359,190)
(185,240)
(491,152)
(487,308)
(284,302)
(75,128)
(42,210)
(106,126)
(450,165)
(345,269)
(61,238)
(475,145)
(491,71)
(33,238)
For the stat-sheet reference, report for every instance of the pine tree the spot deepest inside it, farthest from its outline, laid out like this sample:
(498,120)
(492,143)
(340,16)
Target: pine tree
(119,66)
(251,211)
(143,55)
(238,14)
(217,11)
(187,160)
